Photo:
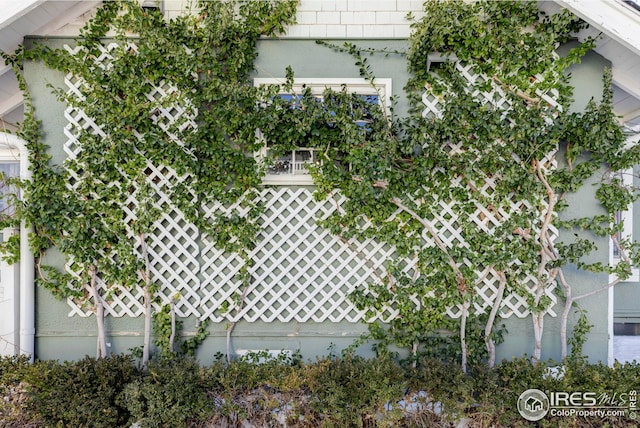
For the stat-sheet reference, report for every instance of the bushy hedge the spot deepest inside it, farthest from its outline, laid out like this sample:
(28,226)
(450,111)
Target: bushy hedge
(330,392)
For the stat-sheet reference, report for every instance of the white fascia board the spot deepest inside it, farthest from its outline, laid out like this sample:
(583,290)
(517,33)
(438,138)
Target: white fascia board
(612,17)
(13,10)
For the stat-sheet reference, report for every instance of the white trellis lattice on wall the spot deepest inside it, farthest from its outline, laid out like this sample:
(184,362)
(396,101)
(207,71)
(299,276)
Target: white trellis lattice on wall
(488,218)
(300,271)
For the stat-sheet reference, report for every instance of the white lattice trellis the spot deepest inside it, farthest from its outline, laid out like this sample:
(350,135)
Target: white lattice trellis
(300,271)
(488,218)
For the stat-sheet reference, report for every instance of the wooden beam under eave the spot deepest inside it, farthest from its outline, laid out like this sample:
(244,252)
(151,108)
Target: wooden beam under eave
(10,104)
(627,83)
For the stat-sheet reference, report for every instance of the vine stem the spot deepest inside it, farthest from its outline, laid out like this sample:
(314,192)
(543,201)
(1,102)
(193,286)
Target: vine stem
(436,239)
(490,343)
(570,299)
(359,253)
(101,348)
(172,338)
(517,91)
(144,273)
(415,346)
(353,248)
(463,334)
(461,282)
(548,253)
(233,324)
(544,240)
(568,303)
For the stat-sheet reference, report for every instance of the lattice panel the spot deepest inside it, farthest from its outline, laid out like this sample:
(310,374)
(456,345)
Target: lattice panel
(173,246)
(300,271)
(487,218)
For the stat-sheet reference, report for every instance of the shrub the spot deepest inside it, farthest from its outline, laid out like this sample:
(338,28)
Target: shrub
(444,383)
(13,411)
(259,388)
(81,393)
(353,391)
(170,395)
(331,392)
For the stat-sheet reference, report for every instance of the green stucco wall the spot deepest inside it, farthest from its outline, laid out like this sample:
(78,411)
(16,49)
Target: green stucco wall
(59,336)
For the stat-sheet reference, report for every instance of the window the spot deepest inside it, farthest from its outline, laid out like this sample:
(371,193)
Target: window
(9,167)
(292,167)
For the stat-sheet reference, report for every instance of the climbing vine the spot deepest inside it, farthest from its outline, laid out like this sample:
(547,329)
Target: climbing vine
(502,148)
(101,209)
(488,156)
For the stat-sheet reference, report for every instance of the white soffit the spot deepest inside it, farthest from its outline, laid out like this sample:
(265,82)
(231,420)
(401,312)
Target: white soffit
(615,18)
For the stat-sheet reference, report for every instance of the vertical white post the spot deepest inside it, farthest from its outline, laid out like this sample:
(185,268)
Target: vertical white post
(9,304)
(26,307)
(610,314)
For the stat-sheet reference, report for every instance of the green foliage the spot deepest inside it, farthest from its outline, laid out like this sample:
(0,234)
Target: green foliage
(331,392)
(510,40)
(13,389)
(352,390)
(393,173)
(82,393)
(163,331)
(578,338)
(191,344)
(203,68)
(256,387)
(201,61)
(444,382)
(170,395)
(254,371)
(404,171)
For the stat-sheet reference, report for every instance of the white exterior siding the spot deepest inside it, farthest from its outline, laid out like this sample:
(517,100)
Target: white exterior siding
(382,19)
(372,19)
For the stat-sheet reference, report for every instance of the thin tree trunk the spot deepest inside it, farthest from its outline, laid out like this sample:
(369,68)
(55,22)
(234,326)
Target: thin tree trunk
(232,326)
(436,239)
(229,331)
(543,276)
(570,299)
(538,328)
(172,338)
(461,281)
(463,335)
(568,302)
(146,342)
(101,347)
(490,343)
(146,345)
(416,344)
(563,327)
(414,352)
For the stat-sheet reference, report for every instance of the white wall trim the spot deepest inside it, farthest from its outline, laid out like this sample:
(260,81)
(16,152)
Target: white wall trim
(27,277)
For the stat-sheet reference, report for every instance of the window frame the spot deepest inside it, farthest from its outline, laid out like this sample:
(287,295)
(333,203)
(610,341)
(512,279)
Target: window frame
(9,156)
(382,87)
